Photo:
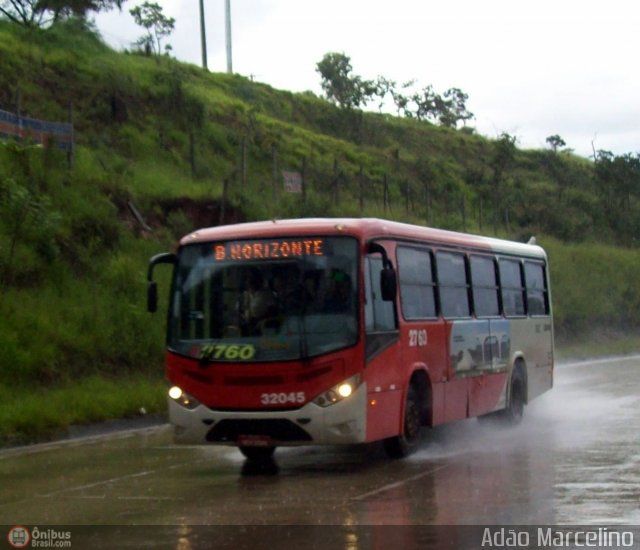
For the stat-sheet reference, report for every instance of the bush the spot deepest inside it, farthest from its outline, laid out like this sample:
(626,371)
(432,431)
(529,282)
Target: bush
(593,287)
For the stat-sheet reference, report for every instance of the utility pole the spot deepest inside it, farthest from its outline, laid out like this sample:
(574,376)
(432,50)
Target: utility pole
(228,33)
(203,37)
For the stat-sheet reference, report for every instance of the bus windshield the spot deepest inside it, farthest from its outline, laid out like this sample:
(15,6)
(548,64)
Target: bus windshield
(265,299)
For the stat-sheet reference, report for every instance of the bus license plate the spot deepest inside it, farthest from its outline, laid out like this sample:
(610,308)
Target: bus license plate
(255,441)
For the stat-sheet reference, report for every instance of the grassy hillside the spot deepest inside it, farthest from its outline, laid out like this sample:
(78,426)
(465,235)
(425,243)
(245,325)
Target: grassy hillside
(189,148)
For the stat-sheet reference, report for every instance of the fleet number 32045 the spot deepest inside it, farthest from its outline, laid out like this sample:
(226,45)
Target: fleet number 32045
(294,398)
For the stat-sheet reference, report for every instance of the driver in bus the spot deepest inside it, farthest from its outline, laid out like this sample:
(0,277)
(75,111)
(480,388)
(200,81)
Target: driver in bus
(338,299)
(258,302)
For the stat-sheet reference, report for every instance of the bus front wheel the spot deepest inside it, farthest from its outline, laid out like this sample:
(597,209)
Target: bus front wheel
(257,454)
(409,440)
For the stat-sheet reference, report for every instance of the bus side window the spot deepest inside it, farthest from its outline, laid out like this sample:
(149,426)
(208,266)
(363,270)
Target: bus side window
(537,294)
(512,287)
(452,284)
(485,286)
(379,315)
(417,287)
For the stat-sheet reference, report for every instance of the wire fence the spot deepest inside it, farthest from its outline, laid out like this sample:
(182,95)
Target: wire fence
(319,188)
(43,132)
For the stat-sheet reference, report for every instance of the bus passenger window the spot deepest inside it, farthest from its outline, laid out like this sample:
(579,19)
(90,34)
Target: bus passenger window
(537,300)
(512,288)
(485,286)
(417,288)
(452,283)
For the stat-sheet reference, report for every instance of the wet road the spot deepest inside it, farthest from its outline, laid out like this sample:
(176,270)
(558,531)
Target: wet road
(575,459)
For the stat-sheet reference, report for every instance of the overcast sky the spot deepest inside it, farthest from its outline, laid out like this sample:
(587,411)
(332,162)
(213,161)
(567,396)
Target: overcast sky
(532,69)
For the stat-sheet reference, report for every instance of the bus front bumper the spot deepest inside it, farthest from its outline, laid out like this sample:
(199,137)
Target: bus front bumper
(343,422)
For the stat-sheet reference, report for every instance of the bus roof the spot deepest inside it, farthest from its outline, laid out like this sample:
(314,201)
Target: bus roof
(366,229)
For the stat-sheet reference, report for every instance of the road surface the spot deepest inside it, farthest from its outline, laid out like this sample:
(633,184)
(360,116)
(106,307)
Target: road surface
(574,460)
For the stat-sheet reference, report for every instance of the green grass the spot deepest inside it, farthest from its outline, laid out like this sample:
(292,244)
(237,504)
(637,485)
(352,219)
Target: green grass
(597,344)
(37,414)
(594,287)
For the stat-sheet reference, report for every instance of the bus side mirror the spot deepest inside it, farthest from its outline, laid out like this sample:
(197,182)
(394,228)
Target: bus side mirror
(388,284)
(152,286)
(152,297)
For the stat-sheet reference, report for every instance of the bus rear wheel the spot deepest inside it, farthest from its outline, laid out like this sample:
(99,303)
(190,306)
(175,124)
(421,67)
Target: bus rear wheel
(257,454)
(514,411)
(409,440)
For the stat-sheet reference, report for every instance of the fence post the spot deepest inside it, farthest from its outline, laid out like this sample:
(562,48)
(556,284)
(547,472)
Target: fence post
(274,173)
(243,163)
(407,196)
(71,153)
(496,214)
(336,182)
(19,111)
(361,183)
(464,214)
(304,184)
(385,194)
(192,152)
(427,200)
(225,190)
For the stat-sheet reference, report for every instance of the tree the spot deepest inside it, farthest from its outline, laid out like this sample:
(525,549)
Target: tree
(25,219)
(447,109)
(452,108)
(619,176)
(425,102)
(556,142)
(23,12)
(504,152)
(340,85)
(401,101)
(149,16)
(384,87)
(77,8)
(35,13)
(350,91)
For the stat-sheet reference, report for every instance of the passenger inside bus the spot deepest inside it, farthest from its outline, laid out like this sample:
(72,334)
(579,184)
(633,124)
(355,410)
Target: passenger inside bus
(292,295)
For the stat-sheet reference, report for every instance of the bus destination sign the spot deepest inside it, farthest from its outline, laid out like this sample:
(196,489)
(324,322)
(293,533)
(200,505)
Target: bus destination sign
(280,249)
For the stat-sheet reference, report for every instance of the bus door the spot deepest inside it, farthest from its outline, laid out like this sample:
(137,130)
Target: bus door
(381,356)
(424,334)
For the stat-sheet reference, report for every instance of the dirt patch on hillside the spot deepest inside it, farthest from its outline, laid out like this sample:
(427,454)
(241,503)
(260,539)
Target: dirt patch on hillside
(202,212)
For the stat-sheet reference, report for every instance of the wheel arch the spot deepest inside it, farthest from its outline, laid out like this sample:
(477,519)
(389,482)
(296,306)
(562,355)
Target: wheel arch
(519,372)
(421,383)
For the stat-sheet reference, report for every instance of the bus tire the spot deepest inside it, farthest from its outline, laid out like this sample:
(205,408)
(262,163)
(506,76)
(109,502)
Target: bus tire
(408,441)
(514,411)
(257,454)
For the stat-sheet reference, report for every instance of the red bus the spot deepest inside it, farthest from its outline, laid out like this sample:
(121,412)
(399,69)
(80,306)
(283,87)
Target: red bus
(343,331)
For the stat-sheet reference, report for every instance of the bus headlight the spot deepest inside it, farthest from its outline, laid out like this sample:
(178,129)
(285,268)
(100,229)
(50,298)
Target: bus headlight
(183,398)
(339,392)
